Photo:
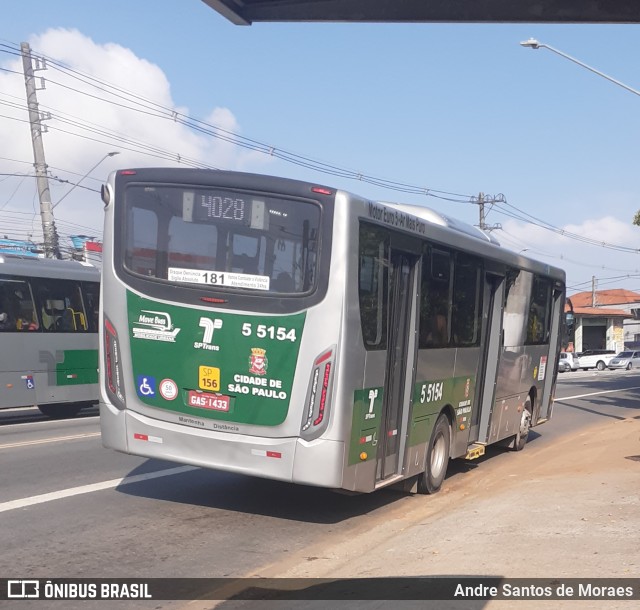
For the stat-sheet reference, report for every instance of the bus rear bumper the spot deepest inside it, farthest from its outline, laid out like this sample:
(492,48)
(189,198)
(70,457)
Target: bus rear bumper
(316,463)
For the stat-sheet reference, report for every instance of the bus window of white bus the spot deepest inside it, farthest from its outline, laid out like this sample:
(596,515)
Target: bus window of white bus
(48,321)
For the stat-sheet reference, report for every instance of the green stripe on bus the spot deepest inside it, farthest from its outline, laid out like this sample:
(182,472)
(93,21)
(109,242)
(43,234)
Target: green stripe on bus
(429,398)
(220,366)
(79,367)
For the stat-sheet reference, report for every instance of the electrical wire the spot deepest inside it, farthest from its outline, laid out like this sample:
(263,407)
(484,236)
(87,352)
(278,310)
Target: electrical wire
(137,103)
(153,108)
(564,232)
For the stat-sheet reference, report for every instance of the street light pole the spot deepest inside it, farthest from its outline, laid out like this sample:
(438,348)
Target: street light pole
(109,154)
(532,43)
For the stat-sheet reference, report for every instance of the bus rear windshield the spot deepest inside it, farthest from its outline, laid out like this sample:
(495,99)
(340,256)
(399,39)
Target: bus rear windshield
(221,238)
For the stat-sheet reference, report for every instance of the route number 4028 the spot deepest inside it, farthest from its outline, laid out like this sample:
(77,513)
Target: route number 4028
(263,331)
(431,392)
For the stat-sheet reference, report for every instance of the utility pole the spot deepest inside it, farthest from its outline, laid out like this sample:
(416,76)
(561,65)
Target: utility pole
(50,234)
(593,291)
(482,224)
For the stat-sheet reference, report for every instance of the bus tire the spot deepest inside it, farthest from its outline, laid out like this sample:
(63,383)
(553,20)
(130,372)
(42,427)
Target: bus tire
(430,481)
(525,425)
(58,411)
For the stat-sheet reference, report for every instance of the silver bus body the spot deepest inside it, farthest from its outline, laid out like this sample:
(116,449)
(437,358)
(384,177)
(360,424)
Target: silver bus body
(372,398)
(49,334)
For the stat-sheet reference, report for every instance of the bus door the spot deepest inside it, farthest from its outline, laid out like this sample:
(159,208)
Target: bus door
(399,369)
(493,300)
(545,406)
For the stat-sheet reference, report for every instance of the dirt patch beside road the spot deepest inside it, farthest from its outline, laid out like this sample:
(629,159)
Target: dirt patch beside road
(570,510)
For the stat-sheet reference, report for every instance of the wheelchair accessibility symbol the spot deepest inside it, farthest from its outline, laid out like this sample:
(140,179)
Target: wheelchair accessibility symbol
(146,386)
(29,382)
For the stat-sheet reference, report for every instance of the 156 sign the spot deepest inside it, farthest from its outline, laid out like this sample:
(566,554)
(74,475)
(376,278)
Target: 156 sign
(209,378)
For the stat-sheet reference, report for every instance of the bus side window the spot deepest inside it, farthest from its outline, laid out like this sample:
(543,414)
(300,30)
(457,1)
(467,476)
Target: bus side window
(435,299)
(52,313)
(91,301)
(67,320)
(538,325)
(373,280)
(466,310)
(7,316)
(80,321)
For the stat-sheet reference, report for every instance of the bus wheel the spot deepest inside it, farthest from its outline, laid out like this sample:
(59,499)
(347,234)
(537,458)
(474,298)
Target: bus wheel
(58,411)
(430,481)
(525,424)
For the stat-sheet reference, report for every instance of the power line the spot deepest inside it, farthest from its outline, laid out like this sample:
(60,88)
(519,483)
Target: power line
(61,180)
(154,109)
(549,227)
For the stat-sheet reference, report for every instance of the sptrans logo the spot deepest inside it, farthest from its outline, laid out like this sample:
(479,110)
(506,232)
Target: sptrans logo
(209,327)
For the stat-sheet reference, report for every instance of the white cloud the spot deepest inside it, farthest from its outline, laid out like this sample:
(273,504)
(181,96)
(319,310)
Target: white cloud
(71,155)
(581,261)
(608,230)
(83,128)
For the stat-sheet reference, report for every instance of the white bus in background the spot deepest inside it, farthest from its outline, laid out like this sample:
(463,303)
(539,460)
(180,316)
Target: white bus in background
(298,332)
(48,334)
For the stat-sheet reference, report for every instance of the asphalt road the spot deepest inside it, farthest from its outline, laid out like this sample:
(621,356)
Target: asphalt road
(66,512)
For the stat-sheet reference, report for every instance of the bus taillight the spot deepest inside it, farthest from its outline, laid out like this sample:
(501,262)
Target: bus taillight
(321,190)
(316,412)
(113,365)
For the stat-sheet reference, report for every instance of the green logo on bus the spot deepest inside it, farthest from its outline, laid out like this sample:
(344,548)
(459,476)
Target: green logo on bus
(232,367)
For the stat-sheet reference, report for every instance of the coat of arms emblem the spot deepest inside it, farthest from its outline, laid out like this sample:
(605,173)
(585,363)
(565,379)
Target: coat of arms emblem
(258,361)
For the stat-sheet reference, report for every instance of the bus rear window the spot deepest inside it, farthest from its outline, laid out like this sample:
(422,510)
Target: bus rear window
(223,239)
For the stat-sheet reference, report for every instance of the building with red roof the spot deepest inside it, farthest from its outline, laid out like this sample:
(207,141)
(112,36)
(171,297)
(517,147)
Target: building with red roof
(605,319)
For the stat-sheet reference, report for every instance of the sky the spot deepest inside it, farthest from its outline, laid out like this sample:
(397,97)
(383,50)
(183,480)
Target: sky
(428,114)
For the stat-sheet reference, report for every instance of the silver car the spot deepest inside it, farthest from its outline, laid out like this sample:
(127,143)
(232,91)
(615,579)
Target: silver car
(568,362)
(625,360)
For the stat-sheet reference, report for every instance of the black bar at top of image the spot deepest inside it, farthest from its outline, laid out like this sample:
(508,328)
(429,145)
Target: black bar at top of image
(310,589)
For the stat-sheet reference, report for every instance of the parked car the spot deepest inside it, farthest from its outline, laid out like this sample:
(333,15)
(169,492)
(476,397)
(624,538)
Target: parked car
(625,360)
(563,366)
(570,359)
(595,358)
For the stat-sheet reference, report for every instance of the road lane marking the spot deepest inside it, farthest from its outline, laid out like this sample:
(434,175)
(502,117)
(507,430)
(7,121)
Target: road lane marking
(86,489)
(54,439)
(43,422)
(595,394)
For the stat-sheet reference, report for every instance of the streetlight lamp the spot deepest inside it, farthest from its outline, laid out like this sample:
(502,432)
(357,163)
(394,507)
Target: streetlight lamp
(109,154)
(532,43)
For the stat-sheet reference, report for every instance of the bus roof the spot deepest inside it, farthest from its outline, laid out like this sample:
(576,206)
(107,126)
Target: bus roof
(450,231)
(48,267)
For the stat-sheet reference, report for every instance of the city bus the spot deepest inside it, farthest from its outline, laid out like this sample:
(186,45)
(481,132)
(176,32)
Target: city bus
(49,334)
(298,332)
